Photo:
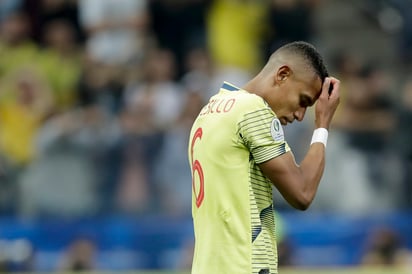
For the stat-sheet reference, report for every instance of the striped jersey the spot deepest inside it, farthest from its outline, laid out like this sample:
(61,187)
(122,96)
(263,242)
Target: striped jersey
(232,204)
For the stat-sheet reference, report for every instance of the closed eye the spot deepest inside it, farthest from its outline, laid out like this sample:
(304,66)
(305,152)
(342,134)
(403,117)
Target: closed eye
(305,101)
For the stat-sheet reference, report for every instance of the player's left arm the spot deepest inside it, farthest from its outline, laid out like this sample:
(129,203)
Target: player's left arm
(298,184)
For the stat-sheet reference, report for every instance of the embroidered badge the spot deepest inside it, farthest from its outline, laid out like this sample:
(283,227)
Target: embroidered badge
(276,130)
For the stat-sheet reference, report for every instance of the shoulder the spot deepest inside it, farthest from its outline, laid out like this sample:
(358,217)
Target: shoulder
(250,102)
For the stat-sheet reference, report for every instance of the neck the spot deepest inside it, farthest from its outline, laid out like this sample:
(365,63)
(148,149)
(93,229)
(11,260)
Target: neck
(254,86)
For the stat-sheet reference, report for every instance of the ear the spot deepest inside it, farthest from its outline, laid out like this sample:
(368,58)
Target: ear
(283,73)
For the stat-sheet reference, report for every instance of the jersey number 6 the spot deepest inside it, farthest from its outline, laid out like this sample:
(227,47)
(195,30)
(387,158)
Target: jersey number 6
(197,167)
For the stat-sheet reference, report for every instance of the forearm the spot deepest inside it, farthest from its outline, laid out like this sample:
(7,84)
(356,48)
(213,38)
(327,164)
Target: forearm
(312,168)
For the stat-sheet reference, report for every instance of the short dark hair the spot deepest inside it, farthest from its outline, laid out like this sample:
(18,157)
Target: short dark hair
(310,54)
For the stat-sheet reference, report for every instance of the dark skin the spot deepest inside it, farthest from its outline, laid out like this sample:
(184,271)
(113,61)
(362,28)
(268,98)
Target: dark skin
(290,90)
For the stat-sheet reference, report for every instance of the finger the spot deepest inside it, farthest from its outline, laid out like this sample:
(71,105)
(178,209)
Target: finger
(325,87)
(335,91)
(334,80)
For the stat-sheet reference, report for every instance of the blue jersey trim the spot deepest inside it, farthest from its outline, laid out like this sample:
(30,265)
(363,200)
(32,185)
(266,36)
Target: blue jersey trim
(230,87)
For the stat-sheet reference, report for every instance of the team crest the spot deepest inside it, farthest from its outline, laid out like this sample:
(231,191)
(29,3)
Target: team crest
(276,130)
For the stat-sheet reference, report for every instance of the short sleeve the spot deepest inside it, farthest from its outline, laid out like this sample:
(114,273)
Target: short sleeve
(262,133)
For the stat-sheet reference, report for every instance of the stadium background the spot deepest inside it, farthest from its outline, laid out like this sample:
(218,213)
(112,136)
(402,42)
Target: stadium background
(97,97)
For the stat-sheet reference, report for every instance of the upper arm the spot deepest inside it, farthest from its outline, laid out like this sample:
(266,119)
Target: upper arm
(297,184)
(287,177)
(262,133)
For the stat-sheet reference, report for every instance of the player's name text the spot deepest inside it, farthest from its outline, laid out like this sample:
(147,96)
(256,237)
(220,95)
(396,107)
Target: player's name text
(218,106)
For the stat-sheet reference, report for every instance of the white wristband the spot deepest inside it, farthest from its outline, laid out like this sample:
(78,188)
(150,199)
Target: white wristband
(320,135)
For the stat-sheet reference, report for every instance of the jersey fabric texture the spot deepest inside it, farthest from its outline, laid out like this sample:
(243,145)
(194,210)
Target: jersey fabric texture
(232,204)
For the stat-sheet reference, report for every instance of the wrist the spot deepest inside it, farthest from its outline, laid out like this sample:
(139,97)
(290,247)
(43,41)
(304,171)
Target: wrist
(322,125)
(320,135)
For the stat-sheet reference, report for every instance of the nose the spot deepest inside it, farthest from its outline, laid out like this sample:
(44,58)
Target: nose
(300,114)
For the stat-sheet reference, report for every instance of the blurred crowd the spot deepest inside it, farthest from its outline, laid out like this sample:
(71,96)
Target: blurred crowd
(97,98)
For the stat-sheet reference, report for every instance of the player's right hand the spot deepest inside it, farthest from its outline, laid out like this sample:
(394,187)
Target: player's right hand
(327,102)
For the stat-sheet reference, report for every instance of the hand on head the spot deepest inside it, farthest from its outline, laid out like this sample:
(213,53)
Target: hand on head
(328,102)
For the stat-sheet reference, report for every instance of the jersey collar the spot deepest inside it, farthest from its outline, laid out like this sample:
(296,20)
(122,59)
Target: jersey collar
(230,87)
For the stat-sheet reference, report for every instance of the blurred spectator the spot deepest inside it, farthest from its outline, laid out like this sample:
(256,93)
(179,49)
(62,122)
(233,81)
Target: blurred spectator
(365,168)
(405,37)
(64,181)
(115,29)
(102,127)
(62,59)
(101,84)
(18,52)
(8,7)
(179,26)
(288,21)
(203,76)
(42,12)
(368,118)
(346,186)
(173,176)
(16,255)
(404,136)
(128,186)
(235,31)
(80,256)
(394,17)
(152,105)
(384,247)
(115,45)
(16,47)
(157,90)
(369,109)
(25,101)
(347,66)
(200,74)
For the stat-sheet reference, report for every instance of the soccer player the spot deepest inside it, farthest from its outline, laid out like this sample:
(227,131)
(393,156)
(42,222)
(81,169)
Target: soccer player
(237,150)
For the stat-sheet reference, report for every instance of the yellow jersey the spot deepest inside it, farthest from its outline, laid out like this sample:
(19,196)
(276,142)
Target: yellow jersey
(232,204)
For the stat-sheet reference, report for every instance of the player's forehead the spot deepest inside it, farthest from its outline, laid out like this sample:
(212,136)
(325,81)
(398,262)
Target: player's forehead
(312,84)
(317,84)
